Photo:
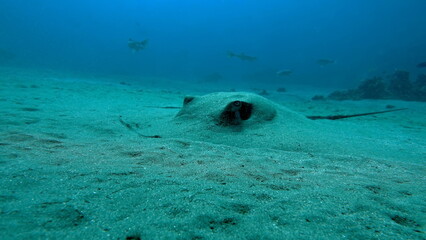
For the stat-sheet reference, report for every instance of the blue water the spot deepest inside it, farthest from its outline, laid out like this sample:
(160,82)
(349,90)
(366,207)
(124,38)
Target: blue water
(189,39)
(111,159)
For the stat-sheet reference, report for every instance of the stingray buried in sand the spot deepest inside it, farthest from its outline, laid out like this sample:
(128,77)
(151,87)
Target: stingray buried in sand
(248,120)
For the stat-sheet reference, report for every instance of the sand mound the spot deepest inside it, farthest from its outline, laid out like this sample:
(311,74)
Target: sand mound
(232,111)
(247,120)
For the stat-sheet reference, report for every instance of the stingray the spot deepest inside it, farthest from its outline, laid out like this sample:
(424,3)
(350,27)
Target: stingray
(249,120)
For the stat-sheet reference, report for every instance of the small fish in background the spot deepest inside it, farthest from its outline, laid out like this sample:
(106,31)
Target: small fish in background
(136,46)
(324,62)
(242,56)
(284,72)
(421,65)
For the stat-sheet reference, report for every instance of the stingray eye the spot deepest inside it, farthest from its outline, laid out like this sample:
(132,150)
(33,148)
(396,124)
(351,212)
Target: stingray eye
(236,103)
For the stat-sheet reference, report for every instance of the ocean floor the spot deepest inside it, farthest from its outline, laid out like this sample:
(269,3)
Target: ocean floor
(78,160)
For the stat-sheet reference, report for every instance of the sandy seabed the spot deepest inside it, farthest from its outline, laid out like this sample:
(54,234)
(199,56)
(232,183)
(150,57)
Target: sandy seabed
(70,169)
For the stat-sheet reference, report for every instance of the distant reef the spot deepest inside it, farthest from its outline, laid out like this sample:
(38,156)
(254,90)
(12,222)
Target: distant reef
(396,86)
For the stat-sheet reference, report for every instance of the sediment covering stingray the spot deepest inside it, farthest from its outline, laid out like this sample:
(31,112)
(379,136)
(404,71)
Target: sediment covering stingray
(269,125)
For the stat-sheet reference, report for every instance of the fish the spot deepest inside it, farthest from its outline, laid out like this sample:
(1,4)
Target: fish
(324,62)
(242,56)
(137,45)
(421,65)
(284,72)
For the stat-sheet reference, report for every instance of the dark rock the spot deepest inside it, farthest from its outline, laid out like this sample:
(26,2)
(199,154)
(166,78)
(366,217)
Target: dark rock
(419,88)
(318,98)
(338,95)
(373,88)
(400,86)
(420,81)
(350,94)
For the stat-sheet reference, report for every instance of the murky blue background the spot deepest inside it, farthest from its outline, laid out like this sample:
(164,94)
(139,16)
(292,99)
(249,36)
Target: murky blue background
(189,39)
